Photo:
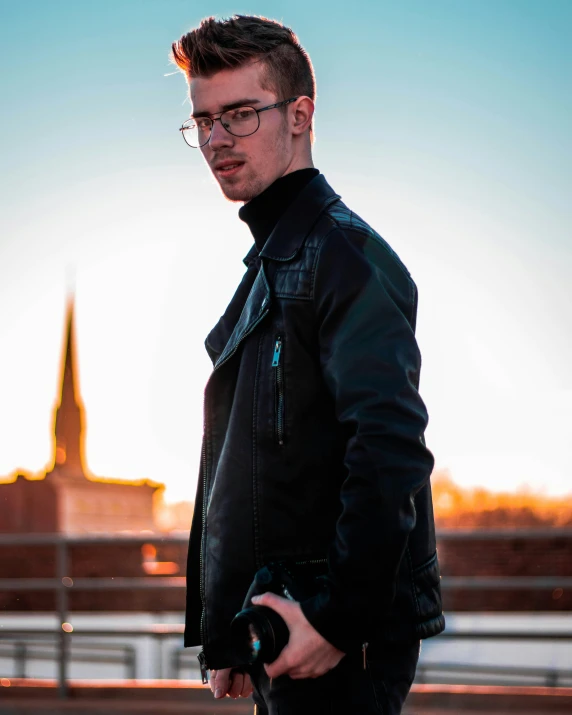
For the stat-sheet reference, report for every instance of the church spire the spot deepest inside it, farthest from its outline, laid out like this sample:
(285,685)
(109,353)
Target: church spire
(69,417)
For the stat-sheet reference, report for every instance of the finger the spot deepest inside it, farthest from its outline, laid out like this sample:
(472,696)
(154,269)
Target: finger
(247,686)
(309,667)
(222,682)
(282,606)
(280,666)
(212,679)
(297,675)
(274,670)
(236,683)
(303,674)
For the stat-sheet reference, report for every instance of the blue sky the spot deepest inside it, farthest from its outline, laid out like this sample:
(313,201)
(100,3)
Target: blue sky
(446,125)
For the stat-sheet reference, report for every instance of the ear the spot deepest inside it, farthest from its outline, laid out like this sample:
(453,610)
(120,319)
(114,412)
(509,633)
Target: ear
(302,113)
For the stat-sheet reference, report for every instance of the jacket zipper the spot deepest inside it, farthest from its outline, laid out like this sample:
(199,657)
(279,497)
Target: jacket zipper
(279,383)
(201,656)
(311,561)
(203,666)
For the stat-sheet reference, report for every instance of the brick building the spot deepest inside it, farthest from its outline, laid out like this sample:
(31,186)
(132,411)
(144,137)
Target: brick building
(67,498)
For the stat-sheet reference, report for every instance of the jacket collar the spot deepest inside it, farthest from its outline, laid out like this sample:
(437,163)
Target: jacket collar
(250,256)
(296,222)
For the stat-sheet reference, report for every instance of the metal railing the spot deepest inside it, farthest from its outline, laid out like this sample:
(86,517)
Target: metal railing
(497,674)
(183,658)
(502,675)
(22,650)
(63,582)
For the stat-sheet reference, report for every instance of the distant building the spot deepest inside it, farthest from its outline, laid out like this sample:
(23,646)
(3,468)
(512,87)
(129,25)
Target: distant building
(67,498)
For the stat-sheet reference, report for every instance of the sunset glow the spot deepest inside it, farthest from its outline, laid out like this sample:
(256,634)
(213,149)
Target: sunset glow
(477,507)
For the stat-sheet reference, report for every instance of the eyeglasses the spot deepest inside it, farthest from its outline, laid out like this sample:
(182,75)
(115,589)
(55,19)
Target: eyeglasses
(240,122)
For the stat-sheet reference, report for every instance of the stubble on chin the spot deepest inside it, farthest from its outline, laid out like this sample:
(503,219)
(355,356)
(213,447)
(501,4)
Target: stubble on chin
(242,192)
(236,195)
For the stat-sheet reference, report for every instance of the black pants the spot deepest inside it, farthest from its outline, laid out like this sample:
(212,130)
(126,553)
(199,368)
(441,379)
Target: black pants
(347,689)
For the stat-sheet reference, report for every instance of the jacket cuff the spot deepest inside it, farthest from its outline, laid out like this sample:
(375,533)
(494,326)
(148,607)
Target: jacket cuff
(332,621)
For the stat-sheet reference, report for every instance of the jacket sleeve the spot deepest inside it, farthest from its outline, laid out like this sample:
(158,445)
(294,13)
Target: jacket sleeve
(365,307)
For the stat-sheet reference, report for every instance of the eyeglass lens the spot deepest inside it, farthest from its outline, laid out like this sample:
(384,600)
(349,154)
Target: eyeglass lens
(241,122)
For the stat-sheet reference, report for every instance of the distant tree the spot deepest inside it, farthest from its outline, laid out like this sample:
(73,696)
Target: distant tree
(457,507)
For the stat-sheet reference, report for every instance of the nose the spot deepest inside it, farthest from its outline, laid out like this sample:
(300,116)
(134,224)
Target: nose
(219,136)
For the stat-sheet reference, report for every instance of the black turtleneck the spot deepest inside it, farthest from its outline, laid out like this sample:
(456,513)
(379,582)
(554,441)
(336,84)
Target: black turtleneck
(261,214)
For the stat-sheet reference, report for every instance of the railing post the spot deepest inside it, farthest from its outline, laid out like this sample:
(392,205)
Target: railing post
(175,664)
(20,656)
(552,678)
(62,607)
(159,651)
(131,662)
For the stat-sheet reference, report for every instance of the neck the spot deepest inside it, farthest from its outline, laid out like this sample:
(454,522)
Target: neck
(262,213)
(296,164)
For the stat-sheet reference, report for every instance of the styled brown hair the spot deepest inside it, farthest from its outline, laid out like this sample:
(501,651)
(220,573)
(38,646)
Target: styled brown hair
(229,43)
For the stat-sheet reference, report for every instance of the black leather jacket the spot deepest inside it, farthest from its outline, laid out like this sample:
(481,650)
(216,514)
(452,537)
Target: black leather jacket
(313,444)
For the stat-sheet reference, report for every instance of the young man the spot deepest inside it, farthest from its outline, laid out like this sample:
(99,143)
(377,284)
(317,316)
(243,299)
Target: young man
(313,444)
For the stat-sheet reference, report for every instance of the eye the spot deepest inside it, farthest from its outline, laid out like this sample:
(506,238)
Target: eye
(242,114)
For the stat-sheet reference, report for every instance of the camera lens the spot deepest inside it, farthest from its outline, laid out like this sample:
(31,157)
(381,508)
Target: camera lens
(258,634)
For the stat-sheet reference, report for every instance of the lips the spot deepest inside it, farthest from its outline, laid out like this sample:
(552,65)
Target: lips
(228,167)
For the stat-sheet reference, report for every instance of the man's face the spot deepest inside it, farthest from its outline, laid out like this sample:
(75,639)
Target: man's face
(243,166)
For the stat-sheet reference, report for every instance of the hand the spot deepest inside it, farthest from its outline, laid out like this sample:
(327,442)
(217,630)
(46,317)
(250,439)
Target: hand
(307,654)
(227,680)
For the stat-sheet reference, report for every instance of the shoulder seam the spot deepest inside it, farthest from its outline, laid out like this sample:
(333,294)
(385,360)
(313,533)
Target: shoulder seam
(373,235)
(317,255)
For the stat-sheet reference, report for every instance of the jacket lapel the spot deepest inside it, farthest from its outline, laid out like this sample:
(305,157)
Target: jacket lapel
(255,308)
(218,337)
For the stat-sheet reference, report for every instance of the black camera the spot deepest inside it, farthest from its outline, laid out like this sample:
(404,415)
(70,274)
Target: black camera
(258,633)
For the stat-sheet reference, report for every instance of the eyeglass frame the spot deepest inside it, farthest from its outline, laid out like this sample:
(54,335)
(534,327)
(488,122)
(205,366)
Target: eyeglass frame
(213,119)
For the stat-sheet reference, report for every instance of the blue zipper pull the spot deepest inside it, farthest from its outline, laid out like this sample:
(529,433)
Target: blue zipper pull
(277,350)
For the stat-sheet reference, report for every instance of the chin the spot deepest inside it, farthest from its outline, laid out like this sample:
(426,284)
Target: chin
(234,195)
(244,187)
(240,193)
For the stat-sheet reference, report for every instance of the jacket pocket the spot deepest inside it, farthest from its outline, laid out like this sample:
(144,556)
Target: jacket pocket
(427,586)
(278,368)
